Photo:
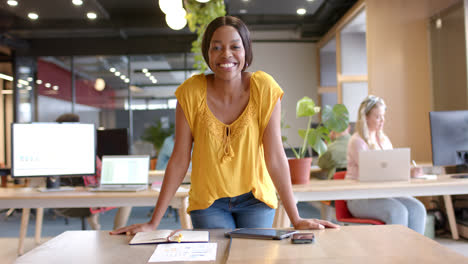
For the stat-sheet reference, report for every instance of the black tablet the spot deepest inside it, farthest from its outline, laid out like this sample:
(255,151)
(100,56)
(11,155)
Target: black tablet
(261,233)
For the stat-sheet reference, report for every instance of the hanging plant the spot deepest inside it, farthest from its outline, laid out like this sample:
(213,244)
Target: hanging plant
(199,15)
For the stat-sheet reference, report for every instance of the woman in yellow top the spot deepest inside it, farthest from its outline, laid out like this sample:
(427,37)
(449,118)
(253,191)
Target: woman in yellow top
(233,119)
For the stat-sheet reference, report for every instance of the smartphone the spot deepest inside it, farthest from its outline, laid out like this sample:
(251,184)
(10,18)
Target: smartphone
(303,238)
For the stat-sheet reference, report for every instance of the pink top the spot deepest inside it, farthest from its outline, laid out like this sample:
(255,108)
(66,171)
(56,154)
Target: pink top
(357,144)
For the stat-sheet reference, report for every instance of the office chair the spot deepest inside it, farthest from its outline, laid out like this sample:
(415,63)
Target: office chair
(342,212)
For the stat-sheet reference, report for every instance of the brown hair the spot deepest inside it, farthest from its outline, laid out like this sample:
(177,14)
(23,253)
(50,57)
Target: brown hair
(241,29)
(68,118)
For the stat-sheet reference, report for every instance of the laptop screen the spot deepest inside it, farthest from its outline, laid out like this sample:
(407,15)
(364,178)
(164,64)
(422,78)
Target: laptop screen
(131,169)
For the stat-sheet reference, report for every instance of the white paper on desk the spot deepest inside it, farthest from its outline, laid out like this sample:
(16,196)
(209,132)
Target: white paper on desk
(184,252)
(158,188)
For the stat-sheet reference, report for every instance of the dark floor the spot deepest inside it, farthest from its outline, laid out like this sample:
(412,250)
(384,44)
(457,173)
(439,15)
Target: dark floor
(54,225)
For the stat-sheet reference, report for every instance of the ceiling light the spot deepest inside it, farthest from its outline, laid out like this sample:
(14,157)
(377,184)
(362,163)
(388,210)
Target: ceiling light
(243,11)
(203,1)
(30,79)
(127,80)
(122,77)
(154,81)
(39,81)
(245,0)
(99,84)
(176,20)
(47,85)
(6,77)
(147,74)
(170,6)
(117,73)
(33,16)
(19,85)
(144,70)
(29,88)
(301,11)
(91,15)
(112,69)
(77,2)
(23,82)
(55,88)
(12,2)
(310,0)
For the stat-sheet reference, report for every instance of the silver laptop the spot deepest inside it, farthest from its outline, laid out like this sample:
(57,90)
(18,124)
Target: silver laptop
(124,173)
(384,165)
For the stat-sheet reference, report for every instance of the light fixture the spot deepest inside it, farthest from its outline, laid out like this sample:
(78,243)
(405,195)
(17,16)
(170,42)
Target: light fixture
(310,0)
(23,82)
(439,23)
(39,81)
(154,81)
(144,70)
(176,20)
(6,77)
(12,2)
(117,73)
(47,85)
(30,79)
(169,6)
(147,74)
(243,11)
(29,88)
(112,69)
(91,15)
(55,88)
(99,84)
(77,2)
(301,11)
(203,1)
(33,16)
(122,77)
(127,80)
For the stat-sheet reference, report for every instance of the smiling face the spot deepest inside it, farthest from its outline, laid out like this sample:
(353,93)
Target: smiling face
(376,118)
(226,53)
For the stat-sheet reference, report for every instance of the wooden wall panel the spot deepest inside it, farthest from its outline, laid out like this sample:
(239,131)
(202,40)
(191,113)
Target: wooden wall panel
(399,68)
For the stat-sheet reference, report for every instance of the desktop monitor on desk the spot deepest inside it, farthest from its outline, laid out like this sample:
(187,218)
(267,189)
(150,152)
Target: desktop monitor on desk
(53,149)
(449,138)
(113,141)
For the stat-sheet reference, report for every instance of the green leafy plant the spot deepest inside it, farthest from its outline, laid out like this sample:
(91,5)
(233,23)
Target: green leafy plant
(156,134)
(199,15)
(333,119)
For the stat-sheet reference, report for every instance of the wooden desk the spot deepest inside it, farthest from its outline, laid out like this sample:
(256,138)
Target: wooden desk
(31,198)
(352,189)
(350,244)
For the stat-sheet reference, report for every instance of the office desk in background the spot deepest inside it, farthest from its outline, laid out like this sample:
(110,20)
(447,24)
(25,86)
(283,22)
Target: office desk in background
(351,244)
(27,198)
(318,190)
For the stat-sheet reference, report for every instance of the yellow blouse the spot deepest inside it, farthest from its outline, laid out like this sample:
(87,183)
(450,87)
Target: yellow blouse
(228,160)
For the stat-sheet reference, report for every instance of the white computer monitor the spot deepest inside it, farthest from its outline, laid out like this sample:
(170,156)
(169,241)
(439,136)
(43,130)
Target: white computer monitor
(53,149)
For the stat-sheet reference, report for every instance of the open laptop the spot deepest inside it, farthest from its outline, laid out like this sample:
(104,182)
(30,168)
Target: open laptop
(384,165)
(127,173)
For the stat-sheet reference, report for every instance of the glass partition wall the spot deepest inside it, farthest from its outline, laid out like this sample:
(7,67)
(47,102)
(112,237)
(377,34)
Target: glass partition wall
(343,63)
(134,92)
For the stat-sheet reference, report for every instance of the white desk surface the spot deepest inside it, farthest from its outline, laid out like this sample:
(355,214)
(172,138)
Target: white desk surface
(350,244)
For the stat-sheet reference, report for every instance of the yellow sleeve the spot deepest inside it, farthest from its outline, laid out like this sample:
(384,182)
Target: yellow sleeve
(188,96)
(269,94)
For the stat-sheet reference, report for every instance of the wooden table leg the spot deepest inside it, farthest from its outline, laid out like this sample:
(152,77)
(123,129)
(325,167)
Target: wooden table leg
(39,217)
(23,229)
(185,221)
(451,216)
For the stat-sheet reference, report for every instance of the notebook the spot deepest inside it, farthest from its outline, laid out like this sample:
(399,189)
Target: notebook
(384,165)
(170,236)
(124,173)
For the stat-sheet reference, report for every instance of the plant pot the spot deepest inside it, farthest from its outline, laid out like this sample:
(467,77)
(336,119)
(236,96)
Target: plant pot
(300,170)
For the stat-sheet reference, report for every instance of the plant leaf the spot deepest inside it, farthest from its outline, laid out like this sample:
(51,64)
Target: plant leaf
(315,140)
(336,118)
(305,107)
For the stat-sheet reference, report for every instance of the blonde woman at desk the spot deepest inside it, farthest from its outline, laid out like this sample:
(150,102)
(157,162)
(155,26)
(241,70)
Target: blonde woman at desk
(407,211)
(233,119)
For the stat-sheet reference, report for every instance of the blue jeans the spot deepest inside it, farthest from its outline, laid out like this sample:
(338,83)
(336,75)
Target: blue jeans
(407,211)
(234,212)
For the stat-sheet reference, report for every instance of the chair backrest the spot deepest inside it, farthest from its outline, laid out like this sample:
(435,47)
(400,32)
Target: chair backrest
(341,207)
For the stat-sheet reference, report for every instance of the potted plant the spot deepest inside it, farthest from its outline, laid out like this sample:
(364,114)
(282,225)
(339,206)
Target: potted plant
(156,134)
(333,119)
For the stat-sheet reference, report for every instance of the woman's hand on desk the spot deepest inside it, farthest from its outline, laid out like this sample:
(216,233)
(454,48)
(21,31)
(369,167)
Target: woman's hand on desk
(133,229)
(305,224)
